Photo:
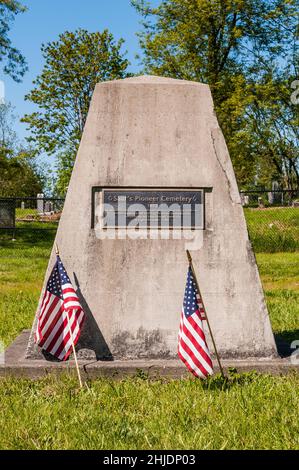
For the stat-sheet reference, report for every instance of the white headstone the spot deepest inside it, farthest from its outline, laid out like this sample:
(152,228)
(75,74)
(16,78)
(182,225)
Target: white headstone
(40,203)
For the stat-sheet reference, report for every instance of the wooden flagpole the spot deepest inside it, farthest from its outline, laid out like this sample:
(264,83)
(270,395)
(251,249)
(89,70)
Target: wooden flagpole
(206,316)
(71,336)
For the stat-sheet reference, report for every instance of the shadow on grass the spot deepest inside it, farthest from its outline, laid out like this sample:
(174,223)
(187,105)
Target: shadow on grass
(284,340)
(28,238)
(232,378)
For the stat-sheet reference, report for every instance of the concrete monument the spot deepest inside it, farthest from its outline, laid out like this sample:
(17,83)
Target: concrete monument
(151,141)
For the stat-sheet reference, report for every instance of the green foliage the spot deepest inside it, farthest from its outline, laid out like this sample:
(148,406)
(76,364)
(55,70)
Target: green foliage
(245,51)
(269,133)
(15,63)
(73,65)
(19,174)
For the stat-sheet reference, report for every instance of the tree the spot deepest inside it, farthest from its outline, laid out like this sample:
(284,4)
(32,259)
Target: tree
(8,137)
(19,173)
(73,66)
(18,176)
(235,46)
(15,64)
(270,130)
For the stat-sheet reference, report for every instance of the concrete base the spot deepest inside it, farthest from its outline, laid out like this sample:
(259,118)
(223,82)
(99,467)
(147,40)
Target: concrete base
(16,365)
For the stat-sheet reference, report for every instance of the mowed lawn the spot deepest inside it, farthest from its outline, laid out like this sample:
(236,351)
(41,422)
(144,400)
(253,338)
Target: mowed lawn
(251,411)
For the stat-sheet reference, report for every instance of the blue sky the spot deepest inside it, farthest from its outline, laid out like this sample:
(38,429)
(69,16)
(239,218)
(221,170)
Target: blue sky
(46,19)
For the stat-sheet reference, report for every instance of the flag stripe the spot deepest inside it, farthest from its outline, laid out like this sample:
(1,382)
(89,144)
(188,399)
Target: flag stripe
(59,300)
(75,328)
(53,331)
(62,346)
(45,306)
(196,324)
(48,310)
(71,304)
(53,309)
(194,332)
(42,307)
(199,363)
(60,331)
(48,331)
(197,350)
(189,363)
(192,346)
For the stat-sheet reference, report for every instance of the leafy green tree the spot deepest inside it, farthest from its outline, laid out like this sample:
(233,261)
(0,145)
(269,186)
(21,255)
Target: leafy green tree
(270,133)
(73,66)
(19,173)
(19,176)
(13,61)
(236,47)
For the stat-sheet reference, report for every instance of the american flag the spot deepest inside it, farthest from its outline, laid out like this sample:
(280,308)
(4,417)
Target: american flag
(193,349)
(53,327)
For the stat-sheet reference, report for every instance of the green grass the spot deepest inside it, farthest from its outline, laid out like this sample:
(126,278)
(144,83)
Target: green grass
(21,213)
(280,278)
(251,412)
(22,267)
(274,229)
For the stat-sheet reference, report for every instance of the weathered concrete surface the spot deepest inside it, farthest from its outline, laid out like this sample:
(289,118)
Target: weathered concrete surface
(18,366)
(150,131)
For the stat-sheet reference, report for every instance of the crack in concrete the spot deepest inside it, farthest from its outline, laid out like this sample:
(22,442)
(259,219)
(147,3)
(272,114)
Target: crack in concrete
(223,170)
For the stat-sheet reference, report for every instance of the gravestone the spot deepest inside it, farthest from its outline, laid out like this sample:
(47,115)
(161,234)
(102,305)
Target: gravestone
(150,142)
(40,203)
(48,207)
(277,195)
(7,213)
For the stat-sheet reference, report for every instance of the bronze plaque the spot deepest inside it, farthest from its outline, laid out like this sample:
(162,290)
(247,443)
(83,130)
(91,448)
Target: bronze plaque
(149,207)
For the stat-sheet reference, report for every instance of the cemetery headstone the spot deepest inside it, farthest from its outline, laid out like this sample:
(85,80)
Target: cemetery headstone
(40,203)
(7,213)
(153,177)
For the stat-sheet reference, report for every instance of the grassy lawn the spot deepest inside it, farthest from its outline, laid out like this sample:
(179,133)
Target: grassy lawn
(251,412)
(21,279)
(273,229)
(280,278)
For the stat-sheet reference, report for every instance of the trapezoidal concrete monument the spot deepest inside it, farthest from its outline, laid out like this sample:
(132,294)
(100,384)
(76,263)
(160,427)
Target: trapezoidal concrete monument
(150,141)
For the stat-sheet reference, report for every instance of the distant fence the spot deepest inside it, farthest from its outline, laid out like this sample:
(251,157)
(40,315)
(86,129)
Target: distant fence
(270,198)
(272,219)
(16,213)
(29,225)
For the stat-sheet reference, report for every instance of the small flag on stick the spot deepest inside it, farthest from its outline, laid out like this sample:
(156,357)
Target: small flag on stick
(193,349)
(61,315)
